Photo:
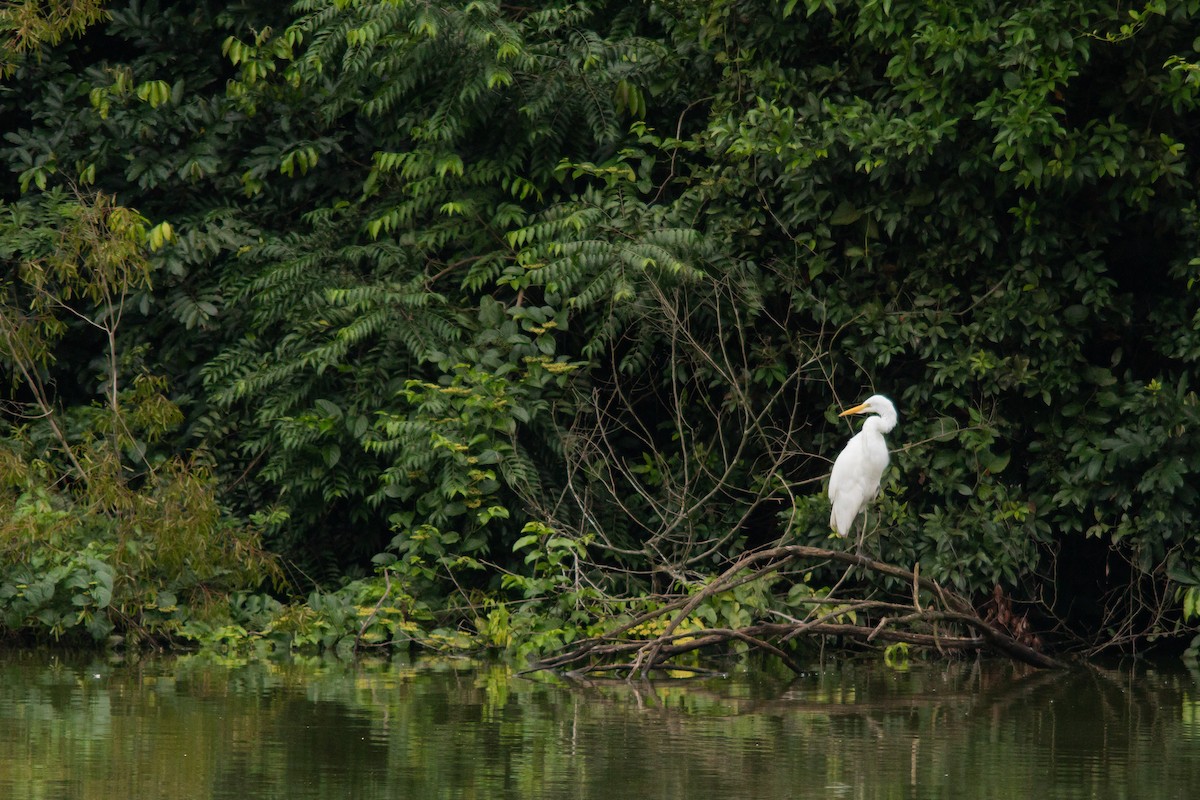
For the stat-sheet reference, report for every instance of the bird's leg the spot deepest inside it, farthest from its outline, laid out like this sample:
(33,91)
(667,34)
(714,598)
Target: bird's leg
(862,535)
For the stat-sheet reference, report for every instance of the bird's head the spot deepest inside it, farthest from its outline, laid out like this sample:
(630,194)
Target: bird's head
(875,404)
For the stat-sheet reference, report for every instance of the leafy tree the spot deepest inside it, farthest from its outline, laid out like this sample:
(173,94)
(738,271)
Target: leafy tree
(102,533)
(398,276)
(452,275)
(999,225)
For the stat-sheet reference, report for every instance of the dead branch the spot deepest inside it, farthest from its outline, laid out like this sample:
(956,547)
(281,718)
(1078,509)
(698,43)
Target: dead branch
(946,621)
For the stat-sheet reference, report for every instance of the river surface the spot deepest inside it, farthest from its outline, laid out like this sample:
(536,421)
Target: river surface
(88,728)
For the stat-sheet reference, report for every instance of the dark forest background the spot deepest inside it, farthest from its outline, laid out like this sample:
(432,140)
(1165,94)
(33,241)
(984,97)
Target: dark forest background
(479,322)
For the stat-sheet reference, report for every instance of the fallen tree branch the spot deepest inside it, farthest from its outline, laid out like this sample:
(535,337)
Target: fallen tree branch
(909,622)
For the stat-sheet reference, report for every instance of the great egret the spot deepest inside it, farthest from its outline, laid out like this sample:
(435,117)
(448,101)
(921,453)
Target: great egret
(854,481)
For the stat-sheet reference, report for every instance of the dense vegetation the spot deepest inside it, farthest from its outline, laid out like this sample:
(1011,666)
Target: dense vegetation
(509,319)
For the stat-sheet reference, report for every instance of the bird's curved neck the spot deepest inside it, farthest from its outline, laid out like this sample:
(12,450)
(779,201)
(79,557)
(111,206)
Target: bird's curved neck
(883,423)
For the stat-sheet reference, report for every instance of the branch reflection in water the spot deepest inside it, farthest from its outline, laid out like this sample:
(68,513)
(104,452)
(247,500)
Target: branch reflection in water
(195,727)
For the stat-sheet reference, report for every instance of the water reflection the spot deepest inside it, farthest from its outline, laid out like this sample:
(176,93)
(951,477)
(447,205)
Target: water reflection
(196,728)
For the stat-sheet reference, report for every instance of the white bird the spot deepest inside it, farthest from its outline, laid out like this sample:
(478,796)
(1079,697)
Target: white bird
(858,469)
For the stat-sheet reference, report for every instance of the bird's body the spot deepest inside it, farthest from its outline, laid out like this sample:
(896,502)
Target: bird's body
(859,468)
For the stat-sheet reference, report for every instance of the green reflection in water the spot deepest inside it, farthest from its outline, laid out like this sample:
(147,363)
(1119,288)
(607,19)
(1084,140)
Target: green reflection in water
(196,728)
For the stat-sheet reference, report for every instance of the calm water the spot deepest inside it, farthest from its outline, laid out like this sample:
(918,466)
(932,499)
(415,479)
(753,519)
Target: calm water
(195,728)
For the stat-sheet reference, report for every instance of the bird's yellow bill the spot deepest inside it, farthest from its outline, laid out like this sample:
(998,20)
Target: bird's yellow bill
(858,409)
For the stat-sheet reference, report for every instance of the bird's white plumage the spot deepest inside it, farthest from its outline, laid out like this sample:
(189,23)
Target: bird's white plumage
(859,468)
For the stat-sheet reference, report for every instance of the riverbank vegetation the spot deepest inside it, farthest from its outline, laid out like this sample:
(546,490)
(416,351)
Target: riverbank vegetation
(352,324)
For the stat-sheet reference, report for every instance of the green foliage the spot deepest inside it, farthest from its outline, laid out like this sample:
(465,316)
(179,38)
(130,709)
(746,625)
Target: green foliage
(440,272)
(348,321)
(28,26)
(959,212)
(554,599)
(461,451)
(896,656)
(363,616)
(101,533)
(75,569)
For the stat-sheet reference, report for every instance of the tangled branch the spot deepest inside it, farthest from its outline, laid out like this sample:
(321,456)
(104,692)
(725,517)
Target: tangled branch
(946,621)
